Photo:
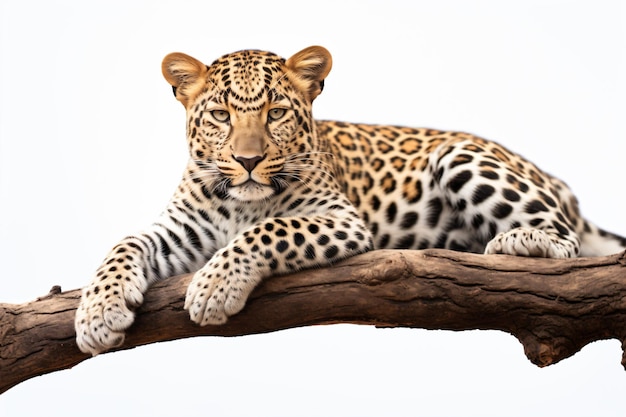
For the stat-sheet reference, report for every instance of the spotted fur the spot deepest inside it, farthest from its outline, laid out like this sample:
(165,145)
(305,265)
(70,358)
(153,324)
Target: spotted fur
(269,190)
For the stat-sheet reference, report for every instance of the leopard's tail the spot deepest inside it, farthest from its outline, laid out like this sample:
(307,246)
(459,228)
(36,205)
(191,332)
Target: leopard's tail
(597,242)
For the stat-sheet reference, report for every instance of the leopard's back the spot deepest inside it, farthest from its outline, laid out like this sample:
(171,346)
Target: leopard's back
(424,188)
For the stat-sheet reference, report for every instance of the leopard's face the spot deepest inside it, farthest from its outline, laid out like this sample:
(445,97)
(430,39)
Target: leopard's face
(249,123)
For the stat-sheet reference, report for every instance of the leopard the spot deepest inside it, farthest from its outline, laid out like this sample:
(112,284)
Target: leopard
(269,190)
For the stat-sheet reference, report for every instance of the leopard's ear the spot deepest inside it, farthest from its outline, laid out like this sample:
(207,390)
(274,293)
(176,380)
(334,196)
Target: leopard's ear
(185,74)
(308,68)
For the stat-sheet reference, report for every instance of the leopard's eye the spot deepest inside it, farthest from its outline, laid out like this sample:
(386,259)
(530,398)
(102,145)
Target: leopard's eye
(221,116)
(277,113)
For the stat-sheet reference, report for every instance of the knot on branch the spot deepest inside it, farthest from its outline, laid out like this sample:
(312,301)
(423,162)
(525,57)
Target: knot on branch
(545,349)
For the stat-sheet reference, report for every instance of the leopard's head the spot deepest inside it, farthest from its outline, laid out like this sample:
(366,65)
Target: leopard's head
(249,124)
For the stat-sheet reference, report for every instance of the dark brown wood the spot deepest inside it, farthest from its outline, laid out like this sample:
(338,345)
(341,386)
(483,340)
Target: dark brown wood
(554,307)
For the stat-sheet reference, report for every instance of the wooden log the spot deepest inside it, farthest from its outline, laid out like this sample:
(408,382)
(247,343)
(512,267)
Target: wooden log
(553,307)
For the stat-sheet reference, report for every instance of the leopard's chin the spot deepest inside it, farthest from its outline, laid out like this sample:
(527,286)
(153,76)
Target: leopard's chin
(251,191)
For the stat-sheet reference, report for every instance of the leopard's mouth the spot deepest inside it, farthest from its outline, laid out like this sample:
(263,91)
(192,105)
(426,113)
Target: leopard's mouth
(251,190)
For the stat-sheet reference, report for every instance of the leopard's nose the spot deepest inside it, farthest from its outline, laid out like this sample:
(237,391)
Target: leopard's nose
(249,163)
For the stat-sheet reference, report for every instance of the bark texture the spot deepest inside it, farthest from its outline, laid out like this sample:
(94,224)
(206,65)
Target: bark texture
(553,307)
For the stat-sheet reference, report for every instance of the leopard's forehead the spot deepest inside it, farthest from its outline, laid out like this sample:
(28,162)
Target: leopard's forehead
(246,75)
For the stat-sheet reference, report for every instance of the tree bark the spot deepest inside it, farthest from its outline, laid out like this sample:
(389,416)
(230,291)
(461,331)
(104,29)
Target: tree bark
(554,307)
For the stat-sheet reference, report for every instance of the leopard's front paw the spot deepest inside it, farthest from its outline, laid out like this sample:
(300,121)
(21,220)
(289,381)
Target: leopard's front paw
(218,291)
(104,313)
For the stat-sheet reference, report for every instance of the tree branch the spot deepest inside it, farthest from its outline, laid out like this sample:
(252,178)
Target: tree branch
(554,307)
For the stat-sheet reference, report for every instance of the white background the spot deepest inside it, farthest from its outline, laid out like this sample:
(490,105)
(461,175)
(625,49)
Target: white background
(92,146)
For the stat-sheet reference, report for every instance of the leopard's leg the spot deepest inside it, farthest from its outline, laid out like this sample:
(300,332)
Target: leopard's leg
(106,307)
(106,304)
(502,202)
(274,246)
